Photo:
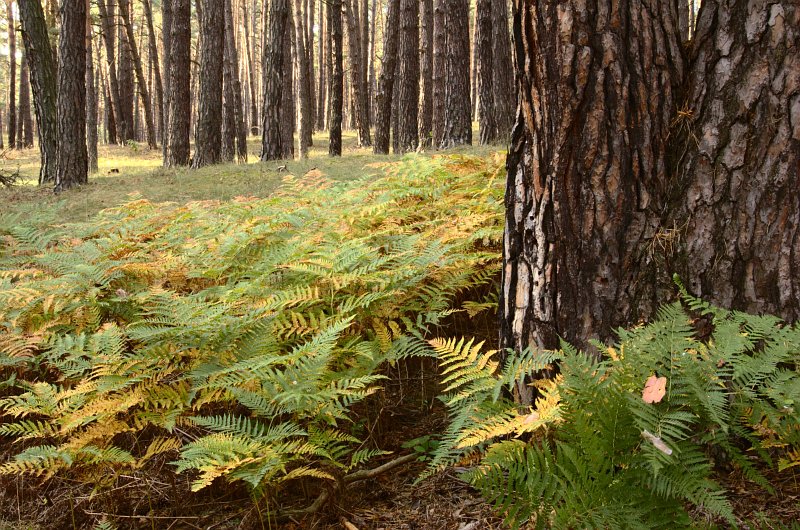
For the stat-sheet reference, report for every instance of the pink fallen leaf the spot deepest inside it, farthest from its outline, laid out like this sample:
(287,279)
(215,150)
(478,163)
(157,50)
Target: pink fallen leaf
(654,389)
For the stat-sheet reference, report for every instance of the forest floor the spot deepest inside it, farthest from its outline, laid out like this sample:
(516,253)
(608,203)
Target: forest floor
(393,501)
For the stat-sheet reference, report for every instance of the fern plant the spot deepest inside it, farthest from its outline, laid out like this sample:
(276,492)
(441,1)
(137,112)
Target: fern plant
(604,448)
(233,338)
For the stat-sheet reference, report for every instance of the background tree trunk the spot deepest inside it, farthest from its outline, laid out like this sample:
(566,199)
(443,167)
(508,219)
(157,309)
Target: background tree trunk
(229,129)
(457,106)
(24,117)
(208,138)
(127,92)
(306,127)
(426,74)
(157,81)
(505,97)
(383,115)
(91,98)
(180,101)
(337,78)
(408,77)
(358,87)
(485,54)
(108,26)
(439,71)
(288,111)
(12,77)
(135,58)
(166,45)
(321,92)
(43,83)
(274,70)
(72,156)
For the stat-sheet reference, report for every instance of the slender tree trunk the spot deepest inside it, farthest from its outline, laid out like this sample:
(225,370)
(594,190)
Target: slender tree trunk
(274,71)
(251,72)
(486,111)
(125,13)
(125,74)
(321,114)
(458,112)
(304,93)
(107,23)
(228,138)
(180,102)
(439,71)
(384,96)
(360,109)
(72,157)
(12,77)
(474,68)
(166,45)
(310,12)
(371,81)
(24,117)
(288,109)
(91,99)
(505,98)
(43,82)
(337,78)
(364,41)
(235,124)
(426,74)
(408,77)
(208,137)
(157,81)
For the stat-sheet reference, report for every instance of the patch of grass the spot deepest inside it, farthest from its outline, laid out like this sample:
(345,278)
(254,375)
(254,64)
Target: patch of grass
(127,172)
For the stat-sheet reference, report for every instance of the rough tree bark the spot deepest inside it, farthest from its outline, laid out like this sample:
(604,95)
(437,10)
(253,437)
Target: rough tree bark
(125,74)
(180,101)
(125,14)
(72,157)
(239,130)
(43,83)
(251,72)
(320,112)
(107,24)
(337,78)
(485,53)
(439,71)
(383,97)
(457,106)
(208,136)
(273,80)
(629,163)
(407,132)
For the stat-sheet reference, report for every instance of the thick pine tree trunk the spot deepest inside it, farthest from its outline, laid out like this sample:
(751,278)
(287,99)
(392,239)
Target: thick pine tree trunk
(738,159)
(505,98)
(385,93)
(180,101)
(426,74)
(274,70)
(457,106)
(337,78)
(321,92)
(485,52)
(288,110)
(407,131)
(12,77)
(72,157)
(125,14)
(208,137)
(614,184)
(43,83)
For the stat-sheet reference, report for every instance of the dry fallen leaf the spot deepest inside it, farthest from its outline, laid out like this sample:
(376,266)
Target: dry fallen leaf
(654,389)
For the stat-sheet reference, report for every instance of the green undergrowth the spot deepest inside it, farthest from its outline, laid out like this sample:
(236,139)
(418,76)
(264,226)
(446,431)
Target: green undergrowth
(636,438)
(234,338)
